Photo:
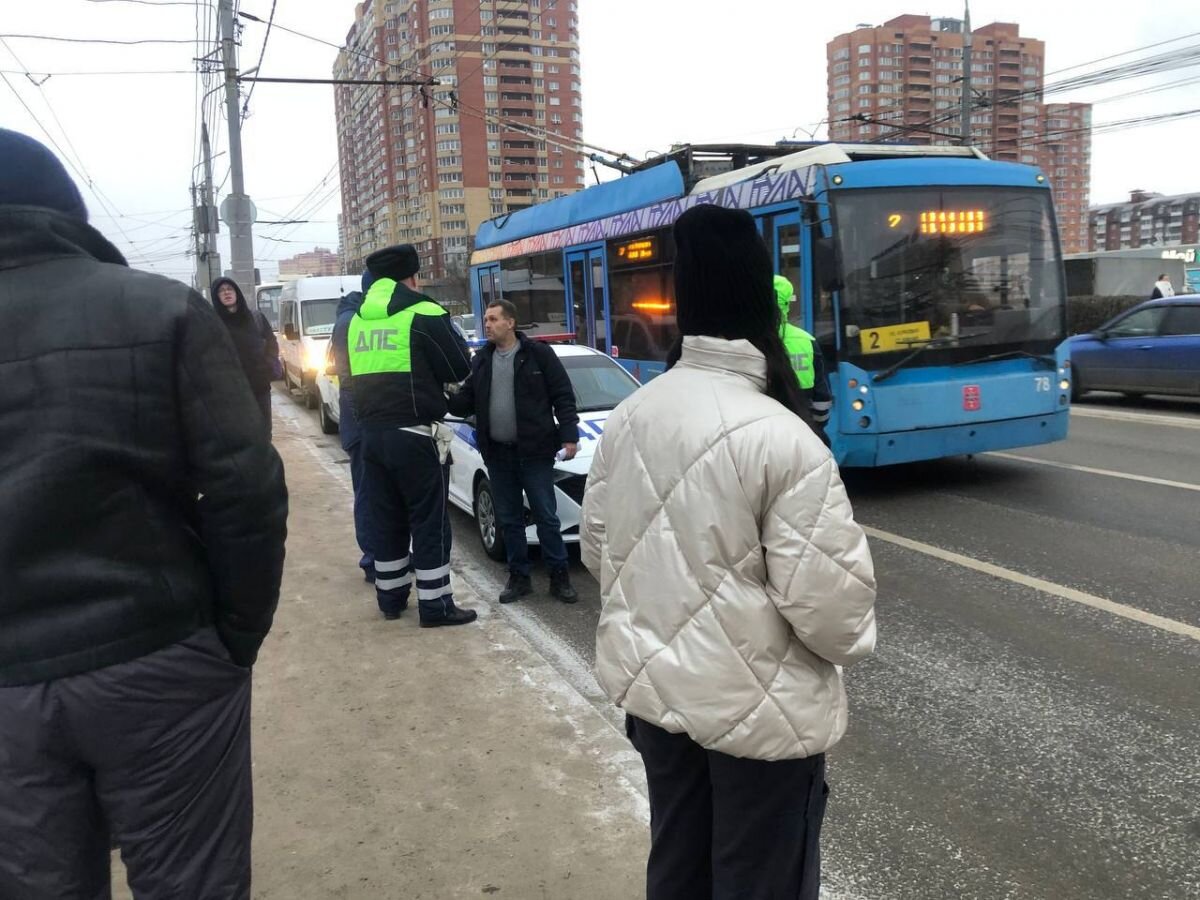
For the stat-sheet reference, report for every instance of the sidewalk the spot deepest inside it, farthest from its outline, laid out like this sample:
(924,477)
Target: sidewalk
(395,762)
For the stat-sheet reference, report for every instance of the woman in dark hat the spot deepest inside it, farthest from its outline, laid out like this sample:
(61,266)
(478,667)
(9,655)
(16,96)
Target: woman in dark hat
(735,583)
(257,348)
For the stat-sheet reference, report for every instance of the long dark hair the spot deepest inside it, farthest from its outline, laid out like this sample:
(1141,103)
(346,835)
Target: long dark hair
(724,288)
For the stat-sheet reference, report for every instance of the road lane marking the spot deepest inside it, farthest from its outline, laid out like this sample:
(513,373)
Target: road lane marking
(1147,418)
(1046,587)
(1128,476)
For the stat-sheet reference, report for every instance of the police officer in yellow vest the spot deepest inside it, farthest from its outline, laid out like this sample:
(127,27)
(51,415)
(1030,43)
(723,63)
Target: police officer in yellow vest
(805,355)
(403,349)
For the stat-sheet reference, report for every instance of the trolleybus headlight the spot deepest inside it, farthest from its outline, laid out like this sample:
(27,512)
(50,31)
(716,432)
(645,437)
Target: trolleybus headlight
(858,405)
(853,383)
(863,389)
(837,179)
(1041,179)
(865,421)
(1065,385)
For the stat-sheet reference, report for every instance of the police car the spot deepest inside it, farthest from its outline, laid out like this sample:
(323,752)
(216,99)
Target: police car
(328,404)
(328,409)
(600,384)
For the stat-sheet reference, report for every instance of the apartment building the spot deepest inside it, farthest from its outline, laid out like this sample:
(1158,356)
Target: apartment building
(903,81)
(318,261)
(492,128)
(1147,220)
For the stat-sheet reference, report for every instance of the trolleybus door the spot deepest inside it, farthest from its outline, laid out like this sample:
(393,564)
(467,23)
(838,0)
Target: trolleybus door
(588,297)
(487,289)
(782,234)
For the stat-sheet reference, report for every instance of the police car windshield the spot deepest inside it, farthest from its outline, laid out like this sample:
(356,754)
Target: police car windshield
(599,382)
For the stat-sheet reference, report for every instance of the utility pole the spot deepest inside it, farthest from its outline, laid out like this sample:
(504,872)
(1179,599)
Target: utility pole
(212,256)
(197,231)
(238,211)
(967,94)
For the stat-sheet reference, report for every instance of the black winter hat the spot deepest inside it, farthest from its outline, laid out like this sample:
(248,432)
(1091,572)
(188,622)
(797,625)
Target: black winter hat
(398,262)
(723,275)
(30,175)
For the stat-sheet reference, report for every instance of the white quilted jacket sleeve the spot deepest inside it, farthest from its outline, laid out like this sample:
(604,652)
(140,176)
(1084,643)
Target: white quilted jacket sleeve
(591,532)
(819,570)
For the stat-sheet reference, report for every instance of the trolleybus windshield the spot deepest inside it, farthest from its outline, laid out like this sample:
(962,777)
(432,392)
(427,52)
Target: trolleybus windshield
(966,269)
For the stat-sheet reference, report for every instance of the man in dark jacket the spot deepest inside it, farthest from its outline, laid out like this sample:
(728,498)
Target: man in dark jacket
(253,339)
(516,390)
(141,547)
(348,427)
(403,350)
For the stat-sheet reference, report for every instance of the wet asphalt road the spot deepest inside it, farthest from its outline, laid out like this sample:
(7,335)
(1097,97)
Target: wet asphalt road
(1006,740)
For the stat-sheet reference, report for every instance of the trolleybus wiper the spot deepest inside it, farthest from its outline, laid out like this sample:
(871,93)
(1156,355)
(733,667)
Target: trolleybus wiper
(931,345)
(1010,354)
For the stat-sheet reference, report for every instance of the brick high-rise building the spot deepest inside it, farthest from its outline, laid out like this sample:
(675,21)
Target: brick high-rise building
(319,261)
(902,81)
(427,165)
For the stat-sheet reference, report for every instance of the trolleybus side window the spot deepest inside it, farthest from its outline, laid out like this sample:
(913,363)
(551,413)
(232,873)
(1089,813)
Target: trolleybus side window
(534,284)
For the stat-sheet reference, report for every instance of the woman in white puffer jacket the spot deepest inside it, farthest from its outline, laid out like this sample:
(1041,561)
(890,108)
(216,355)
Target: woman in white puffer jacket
(735,584)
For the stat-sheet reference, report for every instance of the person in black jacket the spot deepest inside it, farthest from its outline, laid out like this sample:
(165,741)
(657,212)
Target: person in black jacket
(516,390)
(253,339)
(402,351)
(348,427)
(141,546)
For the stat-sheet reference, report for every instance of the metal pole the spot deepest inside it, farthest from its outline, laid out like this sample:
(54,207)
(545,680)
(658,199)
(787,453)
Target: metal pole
(212,256)
(239,215)
(966,77)
(197,231)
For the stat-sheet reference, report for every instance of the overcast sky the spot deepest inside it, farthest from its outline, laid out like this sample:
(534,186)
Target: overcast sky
(654,72)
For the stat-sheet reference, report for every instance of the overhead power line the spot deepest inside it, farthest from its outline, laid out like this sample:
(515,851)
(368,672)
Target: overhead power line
(74,40)
(341,47)
(30,74)
(153,2)
(261,56)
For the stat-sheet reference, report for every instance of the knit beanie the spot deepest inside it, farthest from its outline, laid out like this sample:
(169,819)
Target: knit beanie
(30,175)
(723,275)
(397,263)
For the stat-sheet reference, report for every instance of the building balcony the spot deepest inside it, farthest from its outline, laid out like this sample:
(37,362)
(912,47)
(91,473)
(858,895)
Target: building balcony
(510,32)
(514,67)
(520,114)
(521,169)
(522,181)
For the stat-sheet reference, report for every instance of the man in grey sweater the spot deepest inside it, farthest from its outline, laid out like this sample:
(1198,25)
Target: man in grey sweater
(517,390)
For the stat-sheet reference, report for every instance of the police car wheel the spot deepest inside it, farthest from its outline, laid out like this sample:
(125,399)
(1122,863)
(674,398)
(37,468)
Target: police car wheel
(488,523)
(328,426)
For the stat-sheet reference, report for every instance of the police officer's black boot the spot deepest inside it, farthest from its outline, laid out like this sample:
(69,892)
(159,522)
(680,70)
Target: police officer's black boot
(454,615)
(518,586)
(561,587)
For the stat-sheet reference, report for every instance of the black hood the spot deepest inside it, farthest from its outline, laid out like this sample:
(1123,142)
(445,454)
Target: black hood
(241,311)
(35,234)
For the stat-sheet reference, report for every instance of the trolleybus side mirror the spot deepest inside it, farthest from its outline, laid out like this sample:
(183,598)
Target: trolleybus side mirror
(289,331)
(825,264)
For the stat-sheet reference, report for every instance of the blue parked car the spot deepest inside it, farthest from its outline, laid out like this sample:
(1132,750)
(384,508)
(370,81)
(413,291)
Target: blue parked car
(1153,348)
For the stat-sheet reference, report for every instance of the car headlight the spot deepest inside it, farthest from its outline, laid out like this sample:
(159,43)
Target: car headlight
(314,356)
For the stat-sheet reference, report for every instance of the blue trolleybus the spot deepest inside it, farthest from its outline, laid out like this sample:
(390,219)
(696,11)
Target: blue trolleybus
(931,277)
